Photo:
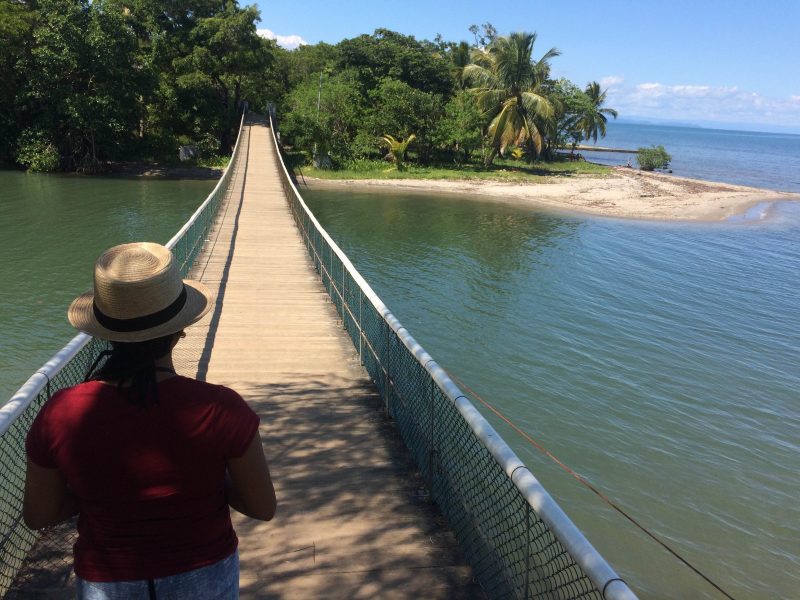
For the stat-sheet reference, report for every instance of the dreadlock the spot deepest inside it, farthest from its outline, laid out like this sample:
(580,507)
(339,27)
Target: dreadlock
(132,366)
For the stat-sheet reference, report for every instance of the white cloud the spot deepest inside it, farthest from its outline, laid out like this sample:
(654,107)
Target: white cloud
(290,42)
(703,103)
(611,81)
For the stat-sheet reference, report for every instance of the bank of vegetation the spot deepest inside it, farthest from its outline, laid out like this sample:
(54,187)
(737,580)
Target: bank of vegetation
(87,83)
(92,83)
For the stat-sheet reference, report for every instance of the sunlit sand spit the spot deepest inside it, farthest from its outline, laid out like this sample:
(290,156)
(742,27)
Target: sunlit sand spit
(624,193)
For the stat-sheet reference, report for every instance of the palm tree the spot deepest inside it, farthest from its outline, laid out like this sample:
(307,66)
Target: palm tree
(508,86)
(397,149)
(593,120)
(460,57)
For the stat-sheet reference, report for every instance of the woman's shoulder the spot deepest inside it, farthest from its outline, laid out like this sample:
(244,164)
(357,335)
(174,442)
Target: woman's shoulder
(203,389)
(87,389)
(71,402)
(226,405)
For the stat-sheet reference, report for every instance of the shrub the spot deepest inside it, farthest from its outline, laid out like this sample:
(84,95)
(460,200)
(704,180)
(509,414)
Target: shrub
(36,152)
(655,157)
(364,165)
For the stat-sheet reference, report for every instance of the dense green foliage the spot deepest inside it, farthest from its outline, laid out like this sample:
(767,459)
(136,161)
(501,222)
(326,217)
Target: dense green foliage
(463,102)
(655,157)
(87,83)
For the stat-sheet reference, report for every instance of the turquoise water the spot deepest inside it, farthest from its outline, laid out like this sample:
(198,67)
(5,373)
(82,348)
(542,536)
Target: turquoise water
(657,360)
(52,229)
(765,160)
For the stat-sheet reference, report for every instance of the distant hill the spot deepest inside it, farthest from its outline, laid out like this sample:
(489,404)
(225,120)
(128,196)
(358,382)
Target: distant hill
(755,127)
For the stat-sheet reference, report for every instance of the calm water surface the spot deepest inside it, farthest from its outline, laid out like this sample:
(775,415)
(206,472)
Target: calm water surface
(52,229)
(765,160)
(659,361)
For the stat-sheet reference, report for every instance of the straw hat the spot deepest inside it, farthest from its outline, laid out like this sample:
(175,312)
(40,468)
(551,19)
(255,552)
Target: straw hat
(138,295)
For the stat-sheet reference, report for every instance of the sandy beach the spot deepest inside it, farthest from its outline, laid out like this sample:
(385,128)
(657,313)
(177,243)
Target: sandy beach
(625,193)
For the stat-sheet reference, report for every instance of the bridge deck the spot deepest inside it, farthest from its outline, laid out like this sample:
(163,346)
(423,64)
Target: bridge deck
(352,520)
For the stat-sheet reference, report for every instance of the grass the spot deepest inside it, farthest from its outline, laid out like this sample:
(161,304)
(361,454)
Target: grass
(219,162)
(503,170)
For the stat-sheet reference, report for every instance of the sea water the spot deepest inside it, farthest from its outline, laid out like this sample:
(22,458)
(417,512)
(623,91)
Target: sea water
(658,360)
(52,229)
(764,160)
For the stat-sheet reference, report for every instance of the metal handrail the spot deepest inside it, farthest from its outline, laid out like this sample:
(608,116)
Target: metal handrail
(605,579)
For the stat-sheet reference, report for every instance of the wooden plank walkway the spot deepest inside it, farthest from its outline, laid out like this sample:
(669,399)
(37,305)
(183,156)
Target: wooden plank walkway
(353,518)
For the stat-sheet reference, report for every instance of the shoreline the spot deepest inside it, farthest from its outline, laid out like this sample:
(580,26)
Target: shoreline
(625,193)
(135,170)
(160,171)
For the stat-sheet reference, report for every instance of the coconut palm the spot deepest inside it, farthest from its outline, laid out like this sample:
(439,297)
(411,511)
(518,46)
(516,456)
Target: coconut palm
(593,120)
(460,57)
(507,83)
(397,148)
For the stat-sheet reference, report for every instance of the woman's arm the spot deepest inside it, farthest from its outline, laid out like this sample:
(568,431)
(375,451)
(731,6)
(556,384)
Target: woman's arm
(47,500)
(249,485)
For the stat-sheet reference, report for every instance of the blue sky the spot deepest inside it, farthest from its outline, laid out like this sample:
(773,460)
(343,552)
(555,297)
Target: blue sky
(707,62)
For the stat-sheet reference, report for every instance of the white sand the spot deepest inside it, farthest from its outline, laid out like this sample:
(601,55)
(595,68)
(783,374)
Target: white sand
(625,193)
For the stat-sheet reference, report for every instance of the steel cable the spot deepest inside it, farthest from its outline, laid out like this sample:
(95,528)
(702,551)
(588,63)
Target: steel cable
(584,482)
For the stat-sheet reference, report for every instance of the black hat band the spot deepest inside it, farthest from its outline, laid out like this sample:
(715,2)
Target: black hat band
(141,323)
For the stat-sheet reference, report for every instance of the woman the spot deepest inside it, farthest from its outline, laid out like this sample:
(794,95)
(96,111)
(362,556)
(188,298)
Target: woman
(149,460)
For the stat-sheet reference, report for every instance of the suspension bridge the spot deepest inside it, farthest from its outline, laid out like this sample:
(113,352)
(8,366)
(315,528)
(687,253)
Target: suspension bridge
(390,484)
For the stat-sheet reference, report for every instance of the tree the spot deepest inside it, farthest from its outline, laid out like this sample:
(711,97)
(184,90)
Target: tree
(203,58)
(401,109)
(397,149)
(81,81)
(333,128)
(459,129)
(655,157)
(225,52)
(16,30)
(484,35)
(459,56)
(88,81)
(387,53)
(569,103)
(593,119)
(308,61)
(508,86)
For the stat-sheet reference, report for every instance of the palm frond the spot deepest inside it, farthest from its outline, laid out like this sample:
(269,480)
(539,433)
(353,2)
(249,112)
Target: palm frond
(490,101)
(479,77)
(537,105)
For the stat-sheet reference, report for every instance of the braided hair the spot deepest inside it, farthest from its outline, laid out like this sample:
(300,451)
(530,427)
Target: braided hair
(132,366)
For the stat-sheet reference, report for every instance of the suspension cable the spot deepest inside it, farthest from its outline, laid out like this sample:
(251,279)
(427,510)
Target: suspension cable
(584,482)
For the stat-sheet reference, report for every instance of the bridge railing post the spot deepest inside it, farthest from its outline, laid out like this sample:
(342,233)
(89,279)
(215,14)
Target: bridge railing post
(432,435)
(527,550)
(360,326)
(387,377)
(345,303)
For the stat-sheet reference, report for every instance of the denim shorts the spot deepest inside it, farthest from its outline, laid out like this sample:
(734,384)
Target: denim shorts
(219,581)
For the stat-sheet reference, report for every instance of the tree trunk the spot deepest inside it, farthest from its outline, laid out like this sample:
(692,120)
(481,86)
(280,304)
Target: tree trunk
(490,157)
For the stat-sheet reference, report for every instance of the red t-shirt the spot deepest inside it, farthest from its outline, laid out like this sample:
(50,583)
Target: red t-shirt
(149,481)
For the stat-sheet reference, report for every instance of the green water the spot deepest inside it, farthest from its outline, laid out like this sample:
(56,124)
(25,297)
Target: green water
(660,361)
(52,228)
